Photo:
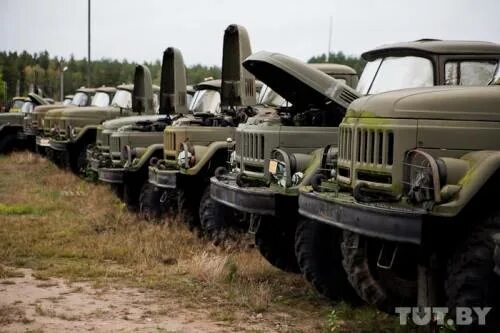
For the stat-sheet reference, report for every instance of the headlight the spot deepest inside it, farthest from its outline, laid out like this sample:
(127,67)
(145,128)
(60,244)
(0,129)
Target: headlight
(329,160)
(286,168)
(186,157)
(232,159)
(423,176)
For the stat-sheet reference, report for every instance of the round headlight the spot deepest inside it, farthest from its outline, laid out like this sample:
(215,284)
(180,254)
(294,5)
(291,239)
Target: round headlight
(184,158)
(232,159)
(422,177)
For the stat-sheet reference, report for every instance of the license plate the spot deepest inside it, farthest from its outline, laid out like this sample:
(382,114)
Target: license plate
(44,142)
(273,166)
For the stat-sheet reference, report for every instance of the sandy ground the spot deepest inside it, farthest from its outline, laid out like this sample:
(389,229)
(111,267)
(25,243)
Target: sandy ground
(31,305)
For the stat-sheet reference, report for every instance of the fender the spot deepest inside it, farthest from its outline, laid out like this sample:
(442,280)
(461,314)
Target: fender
(155,150)
(206,155)
(87,134)
(481,167)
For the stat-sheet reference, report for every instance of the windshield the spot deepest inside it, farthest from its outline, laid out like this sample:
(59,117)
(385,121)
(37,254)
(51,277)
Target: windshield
(18,104)
(270,97)
(100,99)
(80,99)
(156,104)
(470,72)
(393,73)
(122,99)
(27,107)
(205,101)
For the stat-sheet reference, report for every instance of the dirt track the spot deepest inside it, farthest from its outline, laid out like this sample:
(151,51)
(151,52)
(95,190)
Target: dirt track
(29,304)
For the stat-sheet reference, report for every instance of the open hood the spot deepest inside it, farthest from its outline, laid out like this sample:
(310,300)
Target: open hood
(173,83)
(37,99)
(142,95)
(298,82)
(238,85)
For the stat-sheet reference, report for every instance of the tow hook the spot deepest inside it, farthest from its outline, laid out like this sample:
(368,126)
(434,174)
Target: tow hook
(254,224)
(387,256)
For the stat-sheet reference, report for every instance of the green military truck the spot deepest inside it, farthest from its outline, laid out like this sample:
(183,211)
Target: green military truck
(11,123)
(194,148)
(414,188)
(287,170)
(317,97)
(136,142)
(34,123)
(72,130)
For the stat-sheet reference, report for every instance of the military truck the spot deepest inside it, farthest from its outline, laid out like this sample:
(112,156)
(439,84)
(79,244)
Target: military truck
(275,196)
(317,97)
(72,130)
(413,186)
(193,149)
(136,142)
(11,123)
(33,126)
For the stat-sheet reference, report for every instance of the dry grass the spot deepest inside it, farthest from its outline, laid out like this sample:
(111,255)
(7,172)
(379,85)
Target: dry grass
(61,226)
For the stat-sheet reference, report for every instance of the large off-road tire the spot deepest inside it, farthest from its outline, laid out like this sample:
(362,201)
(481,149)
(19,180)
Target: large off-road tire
(384,288)
(7,142)
(471,279)
(275,239)
(218,222)
(317,247)
(188,204)
(150,207)
(497,254)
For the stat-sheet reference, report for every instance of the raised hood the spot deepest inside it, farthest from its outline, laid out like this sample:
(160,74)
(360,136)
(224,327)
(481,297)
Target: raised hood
(173,83)
(238,85)
(300,83)
(114,124)
(37,99)
(443,102)
(142,95)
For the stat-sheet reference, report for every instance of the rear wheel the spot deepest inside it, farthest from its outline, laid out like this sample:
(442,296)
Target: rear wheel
(471,279)
(383,287)
(275,239)
(317,247)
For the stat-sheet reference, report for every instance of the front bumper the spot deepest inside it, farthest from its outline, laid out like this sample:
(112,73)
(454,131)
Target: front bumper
(257,200)
(373,220)
(42,142)
(59,145)
(112,175)
(164,178)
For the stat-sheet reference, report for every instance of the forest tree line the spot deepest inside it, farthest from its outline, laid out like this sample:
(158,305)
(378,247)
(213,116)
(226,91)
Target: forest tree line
(23,72)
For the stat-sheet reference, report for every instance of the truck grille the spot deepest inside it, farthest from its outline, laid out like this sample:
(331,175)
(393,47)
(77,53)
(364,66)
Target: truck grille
(366,145)
(170,143)
(114,145)
(251,146)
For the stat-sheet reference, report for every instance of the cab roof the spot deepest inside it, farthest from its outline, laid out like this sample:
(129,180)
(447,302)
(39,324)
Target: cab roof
(128,86)
(210,84)
(86,90)
(105,89)
(434,46)
(332,69)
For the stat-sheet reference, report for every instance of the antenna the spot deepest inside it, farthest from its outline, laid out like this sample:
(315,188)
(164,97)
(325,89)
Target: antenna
(327,58)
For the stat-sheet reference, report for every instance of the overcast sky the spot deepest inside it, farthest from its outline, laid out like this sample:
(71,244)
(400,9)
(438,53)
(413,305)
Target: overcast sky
(140,30)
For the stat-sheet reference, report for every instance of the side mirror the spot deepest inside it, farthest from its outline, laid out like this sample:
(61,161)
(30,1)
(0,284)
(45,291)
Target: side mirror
(238,85)
(142,96)
(173,95)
